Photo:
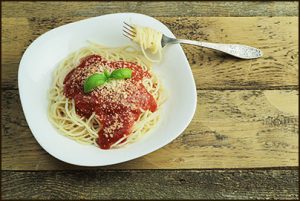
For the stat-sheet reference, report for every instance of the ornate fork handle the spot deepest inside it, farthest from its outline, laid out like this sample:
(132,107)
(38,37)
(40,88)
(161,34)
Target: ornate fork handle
(241,51)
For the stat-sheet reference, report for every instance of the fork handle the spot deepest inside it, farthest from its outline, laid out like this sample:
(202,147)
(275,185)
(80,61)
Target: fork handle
(240,51)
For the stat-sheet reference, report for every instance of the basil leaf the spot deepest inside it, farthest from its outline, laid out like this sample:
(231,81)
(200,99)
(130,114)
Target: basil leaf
(98,79)
(94,81)
(121,73)
(106,73)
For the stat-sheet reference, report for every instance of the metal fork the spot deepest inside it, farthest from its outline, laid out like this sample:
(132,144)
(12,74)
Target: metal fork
(240,51)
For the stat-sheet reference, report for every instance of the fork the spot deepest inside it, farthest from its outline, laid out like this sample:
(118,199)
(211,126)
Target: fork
(237,50)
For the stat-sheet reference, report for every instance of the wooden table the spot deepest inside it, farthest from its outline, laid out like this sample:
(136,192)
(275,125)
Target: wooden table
(242,142)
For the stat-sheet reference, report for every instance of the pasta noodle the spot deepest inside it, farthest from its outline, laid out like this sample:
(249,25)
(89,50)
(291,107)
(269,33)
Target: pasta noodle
(62,111)
(148,39)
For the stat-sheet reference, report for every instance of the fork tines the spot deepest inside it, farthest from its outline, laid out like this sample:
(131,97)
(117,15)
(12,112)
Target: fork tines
(128,31)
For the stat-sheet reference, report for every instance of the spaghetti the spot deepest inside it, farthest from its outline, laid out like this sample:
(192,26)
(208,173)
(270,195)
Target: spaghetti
(148,39)
(91,126)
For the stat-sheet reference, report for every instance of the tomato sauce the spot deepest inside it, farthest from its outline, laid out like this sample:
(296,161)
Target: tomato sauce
(117,104)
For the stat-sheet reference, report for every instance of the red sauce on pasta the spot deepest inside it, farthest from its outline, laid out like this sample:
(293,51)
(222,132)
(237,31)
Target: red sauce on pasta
(117,104)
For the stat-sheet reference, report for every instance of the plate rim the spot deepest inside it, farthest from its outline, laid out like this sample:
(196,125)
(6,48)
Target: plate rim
(79,163)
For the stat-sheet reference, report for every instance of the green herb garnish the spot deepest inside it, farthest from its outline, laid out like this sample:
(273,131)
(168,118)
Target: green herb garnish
(107,74)
(121,73)
(94,81)
(99,79)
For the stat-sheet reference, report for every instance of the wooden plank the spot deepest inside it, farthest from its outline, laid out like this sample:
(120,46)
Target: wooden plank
(277,37)
(170,8)
(155,184)
(230,129)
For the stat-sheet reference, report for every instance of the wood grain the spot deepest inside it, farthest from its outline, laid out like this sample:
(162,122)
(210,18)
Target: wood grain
(230,129)
(257,127)
(277,37)
(155,184)
(155,8)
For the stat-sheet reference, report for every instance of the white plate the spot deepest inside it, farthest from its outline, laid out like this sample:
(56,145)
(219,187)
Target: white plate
(42,57)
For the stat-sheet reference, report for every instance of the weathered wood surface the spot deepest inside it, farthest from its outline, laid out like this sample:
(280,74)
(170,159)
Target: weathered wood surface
(245,128)
(277,37)
(257,127)
(231,129)
(168,8)
(155,184)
